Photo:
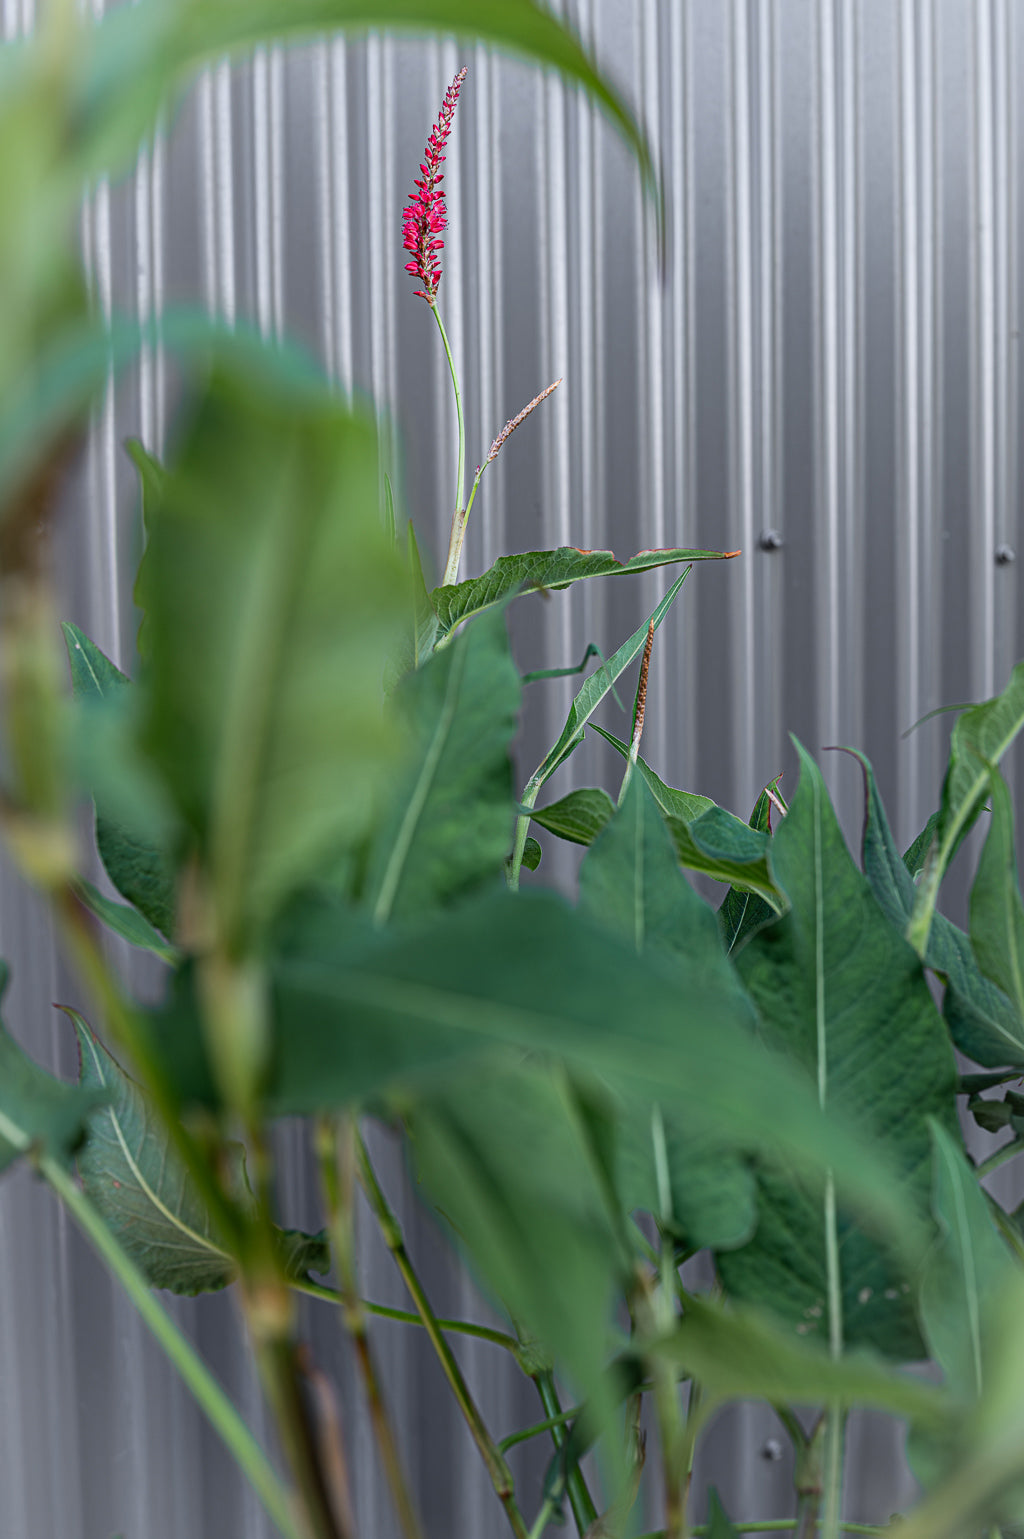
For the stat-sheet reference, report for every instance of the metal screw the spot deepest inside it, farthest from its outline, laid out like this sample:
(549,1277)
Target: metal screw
(772,1450)
(770,539)
(1005,555)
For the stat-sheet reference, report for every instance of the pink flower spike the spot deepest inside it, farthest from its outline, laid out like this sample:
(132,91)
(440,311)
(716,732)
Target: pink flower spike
(426,217)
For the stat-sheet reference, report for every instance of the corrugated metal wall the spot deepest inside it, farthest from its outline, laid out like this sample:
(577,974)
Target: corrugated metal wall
(827,378)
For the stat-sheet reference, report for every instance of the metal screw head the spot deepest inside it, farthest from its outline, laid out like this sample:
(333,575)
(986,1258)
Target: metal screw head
(770,539)
(1005,555)
(772,1450)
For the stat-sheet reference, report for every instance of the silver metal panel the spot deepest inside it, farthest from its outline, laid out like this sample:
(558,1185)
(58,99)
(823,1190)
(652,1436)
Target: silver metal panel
(832,355)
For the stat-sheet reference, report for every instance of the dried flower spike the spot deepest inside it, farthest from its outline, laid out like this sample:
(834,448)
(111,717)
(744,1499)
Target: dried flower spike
(513,422)
(426,217)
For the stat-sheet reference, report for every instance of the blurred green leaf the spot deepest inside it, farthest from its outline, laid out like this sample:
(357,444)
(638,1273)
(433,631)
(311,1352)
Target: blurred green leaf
(980,738)
(740,1353)
(420,622)
(152,477)
(124,921)
(272,597)
(984,1024)
(631,882)
(37,1113)
(837,987)
(578,817)
(532,570)
(134,827)
(719,1526)
(503,1157)
(448,822)
(136,1180)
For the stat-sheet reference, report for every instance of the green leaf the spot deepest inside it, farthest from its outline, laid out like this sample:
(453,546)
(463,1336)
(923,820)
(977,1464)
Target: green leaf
(448,824)
(126,922)
(532,570)
(980,738)
(630,881)
(741,1353)
(593,692)
(152,477)
(685,805)
(37,1113)
(133,826)
(839,990)
(359,1013)
(966,1272)
(984,1024)
(532,853)
(420,624)
(504,1158)
(743,912)
(272,596)
(719,1526)
(578,817)
(135,1178)
(997,915)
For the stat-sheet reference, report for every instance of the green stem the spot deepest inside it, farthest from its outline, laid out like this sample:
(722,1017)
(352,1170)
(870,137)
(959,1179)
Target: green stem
(222,1414)
(458,534)
(543,1518)
(549,1422)
(771,1526)
(497,1469)
(1007,1152)
(406,1316)
(580,1500)
(527,799)
(335,1146)
(278,1367)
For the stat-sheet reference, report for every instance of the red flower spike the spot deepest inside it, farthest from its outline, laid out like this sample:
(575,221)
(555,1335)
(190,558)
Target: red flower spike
(426,217)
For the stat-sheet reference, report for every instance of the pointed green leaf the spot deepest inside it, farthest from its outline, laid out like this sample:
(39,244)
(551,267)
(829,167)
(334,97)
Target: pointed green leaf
(740,1353)
(965,1274)
(980,738)
(983,1022)
(631,882)
(420,623)
(37,1112)
(272,597)
(997,914)
(685,805)
(578,817)
(135,1178)
(133,826)
(743,912)
(840,991)
(152,477)
(448,824)
(533,570)
(719,1526)
(126,922)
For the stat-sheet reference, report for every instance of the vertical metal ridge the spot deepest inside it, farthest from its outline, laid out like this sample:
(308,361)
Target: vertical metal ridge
(983,351)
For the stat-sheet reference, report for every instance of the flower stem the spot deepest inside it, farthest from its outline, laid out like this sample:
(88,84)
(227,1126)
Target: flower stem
(497,1469)
(458,534)
(222,1414)
(406,1316)
(1007,1152)
(580,1499)
(335,1147)
(527,799)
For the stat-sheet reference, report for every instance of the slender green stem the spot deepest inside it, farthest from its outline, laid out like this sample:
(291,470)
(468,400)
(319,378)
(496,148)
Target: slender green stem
(1007,1152)
(543,1518)
(497,1469)
(580,1500)
(797,1436)
(549,1422)
(222,1414)
(527,799)
(458,534)
(771,1526)
(406,1316)
(335,1145)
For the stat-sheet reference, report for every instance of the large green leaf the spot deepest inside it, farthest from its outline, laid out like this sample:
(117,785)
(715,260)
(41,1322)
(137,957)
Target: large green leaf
(147,51)
(137,1181)
(980,738)
(505,1159)
(983,1022)
(272,596)
(448,824)
(133,832)
(740,1353)
(578,817)
(37,1113)
(997,914)
(533,570)
(839,989)
(631,882)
